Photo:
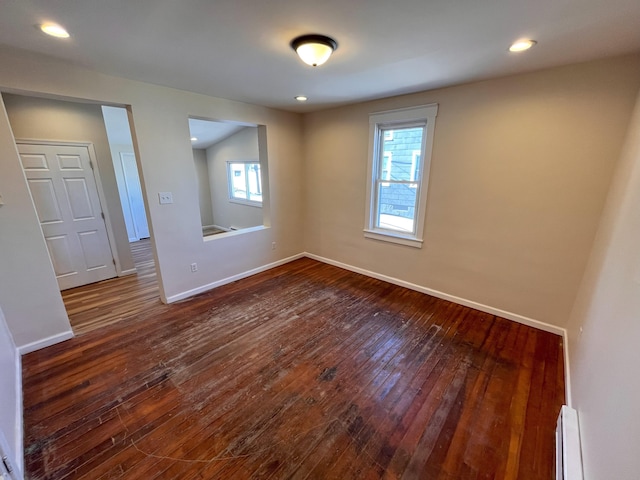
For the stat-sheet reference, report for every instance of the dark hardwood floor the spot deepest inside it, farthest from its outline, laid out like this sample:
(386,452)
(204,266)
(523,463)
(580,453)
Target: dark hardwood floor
(303,371)
(103,303)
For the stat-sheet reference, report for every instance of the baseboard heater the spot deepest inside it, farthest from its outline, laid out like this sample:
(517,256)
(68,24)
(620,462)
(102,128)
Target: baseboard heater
(568,453)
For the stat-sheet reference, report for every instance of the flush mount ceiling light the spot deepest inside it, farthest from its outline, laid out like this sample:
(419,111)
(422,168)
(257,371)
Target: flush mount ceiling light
(194,139)
(522,45)
(54,30)
(301,98)
(314,49)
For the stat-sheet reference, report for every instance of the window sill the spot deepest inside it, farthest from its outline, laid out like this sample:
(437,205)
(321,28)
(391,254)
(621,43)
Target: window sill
(248,203)
(233,233)
(392,237)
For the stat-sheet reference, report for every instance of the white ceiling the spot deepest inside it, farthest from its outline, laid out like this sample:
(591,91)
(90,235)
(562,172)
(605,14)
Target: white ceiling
(239,49)
(209,132)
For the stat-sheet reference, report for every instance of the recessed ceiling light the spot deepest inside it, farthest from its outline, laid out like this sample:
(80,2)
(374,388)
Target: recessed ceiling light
(301,98)
(54,30)
(194,139)
(522,45)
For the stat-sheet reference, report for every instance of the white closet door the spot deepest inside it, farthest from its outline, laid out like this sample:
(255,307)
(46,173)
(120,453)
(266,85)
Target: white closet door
(65,196)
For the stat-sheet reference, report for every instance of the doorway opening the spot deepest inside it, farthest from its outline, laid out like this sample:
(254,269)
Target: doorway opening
(116,122)
(79,176)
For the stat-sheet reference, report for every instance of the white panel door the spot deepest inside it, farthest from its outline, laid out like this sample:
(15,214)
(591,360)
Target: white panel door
(134,194)
(65,195)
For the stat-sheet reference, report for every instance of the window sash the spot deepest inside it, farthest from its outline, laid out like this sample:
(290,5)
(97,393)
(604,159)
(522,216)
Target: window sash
(249,196)
(381,130)
(384,177)
(378,213)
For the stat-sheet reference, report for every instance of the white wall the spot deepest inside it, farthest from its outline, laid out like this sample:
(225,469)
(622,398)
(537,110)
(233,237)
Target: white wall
(242,145)
(10,393)
(520,169)
(204,189)
(159,117)
(29,293)
(605,358)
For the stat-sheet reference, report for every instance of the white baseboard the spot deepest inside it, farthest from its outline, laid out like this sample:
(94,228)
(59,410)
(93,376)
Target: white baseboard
(233,278)
(412,286)
(131,271)
(468,303)
(45,342)
(445,296)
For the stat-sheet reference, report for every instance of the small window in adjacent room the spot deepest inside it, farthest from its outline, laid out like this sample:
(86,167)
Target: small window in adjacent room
(400,155)
(244,182)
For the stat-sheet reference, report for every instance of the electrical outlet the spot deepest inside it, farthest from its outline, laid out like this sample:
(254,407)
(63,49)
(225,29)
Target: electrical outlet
(273,245)
(194,267)
(165,198)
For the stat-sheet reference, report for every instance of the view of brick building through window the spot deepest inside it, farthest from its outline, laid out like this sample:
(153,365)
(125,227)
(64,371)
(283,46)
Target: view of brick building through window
(399,174)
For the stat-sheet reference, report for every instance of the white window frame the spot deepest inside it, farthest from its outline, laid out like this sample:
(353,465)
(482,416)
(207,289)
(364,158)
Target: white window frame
(414,160)
(389,157)
(413,116)
(243,201)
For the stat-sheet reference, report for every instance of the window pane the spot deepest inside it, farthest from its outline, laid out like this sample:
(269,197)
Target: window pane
(255,186)
(400,144)
(397,206)
(238,180)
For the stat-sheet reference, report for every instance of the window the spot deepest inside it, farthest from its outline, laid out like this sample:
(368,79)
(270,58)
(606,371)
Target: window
(400,155)
(245,184)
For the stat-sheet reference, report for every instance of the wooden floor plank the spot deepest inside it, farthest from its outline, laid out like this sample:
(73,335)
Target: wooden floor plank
(303,371)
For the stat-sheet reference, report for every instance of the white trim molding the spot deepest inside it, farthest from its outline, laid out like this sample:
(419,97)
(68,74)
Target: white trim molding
(546,327)
(130,271)
(412,286)
(45,342)
(445,296)
(394,237)
(233,278)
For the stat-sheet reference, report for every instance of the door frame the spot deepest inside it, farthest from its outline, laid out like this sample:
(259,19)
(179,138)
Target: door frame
(96,174)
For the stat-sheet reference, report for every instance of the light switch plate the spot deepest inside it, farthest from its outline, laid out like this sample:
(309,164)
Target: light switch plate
(165,198)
